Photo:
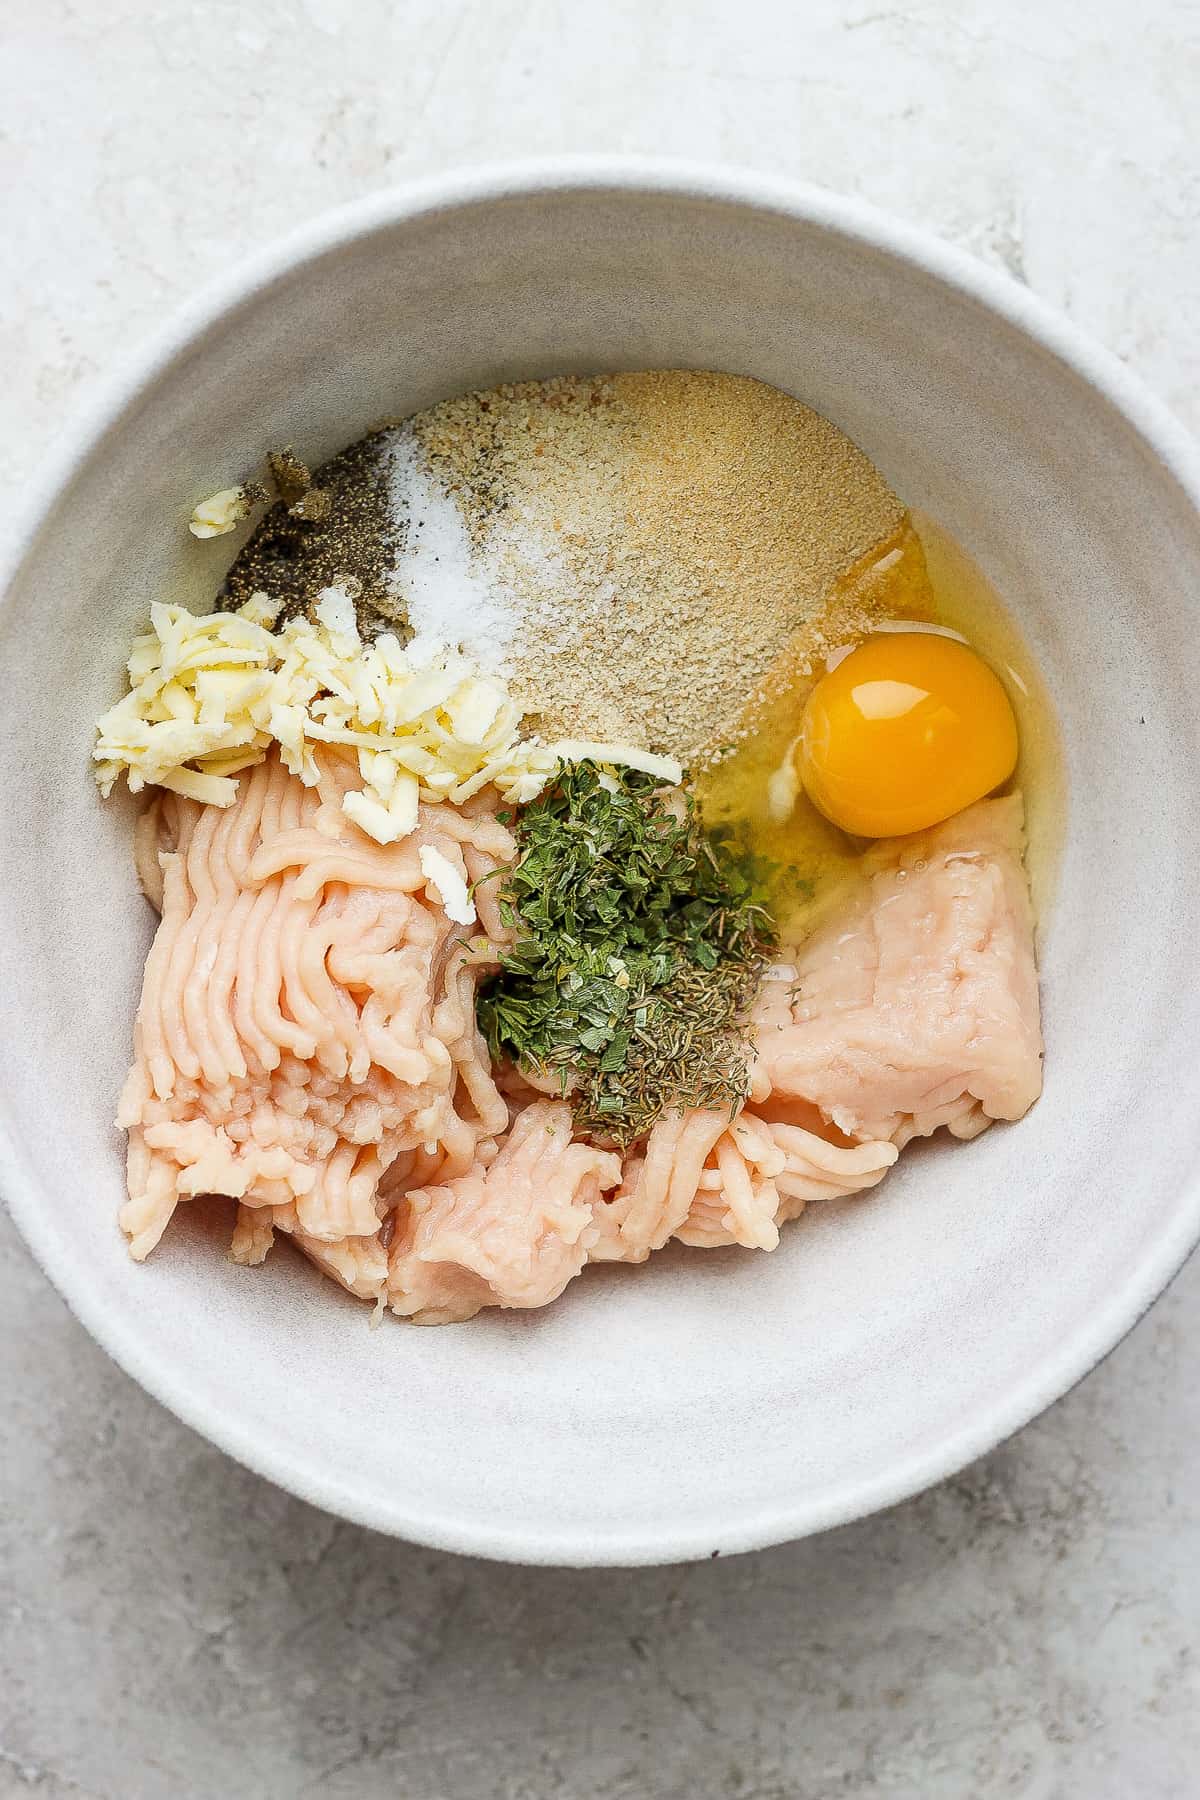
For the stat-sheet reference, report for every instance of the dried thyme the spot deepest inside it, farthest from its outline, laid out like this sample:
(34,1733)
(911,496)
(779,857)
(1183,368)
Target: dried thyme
(641,945)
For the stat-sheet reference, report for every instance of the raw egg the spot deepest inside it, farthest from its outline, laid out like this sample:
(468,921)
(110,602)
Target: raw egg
(902,733)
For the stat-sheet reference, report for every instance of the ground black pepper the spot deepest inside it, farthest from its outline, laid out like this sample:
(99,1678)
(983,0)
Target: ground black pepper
(326,526)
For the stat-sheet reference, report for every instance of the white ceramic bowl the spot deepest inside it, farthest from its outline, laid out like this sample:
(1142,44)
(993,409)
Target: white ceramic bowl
(707,1401)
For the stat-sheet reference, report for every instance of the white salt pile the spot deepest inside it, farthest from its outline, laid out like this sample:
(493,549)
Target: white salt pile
(451,591)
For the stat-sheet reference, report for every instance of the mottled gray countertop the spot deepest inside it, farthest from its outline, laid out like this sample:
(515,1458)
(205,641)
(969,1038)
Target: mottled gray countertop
(169,1625)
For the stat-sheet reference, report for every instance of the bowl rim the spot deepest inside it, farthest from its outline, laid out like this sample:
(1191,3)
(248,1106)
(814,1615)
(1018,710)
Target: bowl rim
(1173,448)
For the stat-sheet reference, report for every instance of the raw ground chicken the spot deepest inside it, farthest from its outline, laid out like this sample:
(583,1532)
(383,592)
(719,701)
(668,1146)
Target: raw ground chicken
(306,1044)
(307,1021)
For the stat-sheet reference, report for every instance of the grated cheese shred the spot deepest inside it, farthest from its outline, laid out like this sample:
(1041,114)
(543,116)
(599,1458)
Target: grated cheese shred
(208,695)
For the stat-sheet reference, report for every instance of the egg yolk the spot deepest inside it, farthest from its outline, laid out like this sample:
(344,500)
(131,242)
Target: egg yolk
(905,731)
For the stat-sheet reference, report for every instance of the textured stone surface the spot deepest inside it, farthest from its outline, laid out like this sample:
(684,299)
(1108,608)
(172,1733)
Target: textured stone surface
(171,1626)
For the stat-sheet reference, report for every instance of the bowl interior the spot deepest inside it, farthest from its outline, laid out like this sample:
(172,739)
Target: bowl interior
(708,1400)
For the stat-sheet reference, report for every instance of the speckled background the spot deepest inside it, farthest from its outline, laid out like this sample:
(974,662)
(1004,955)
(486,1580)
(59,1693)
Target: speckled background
(171,1626)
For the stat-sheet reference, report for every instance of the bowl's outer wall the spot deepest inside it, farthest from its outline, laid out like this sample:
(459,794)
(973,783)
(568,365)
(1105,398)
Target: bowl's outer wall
(705,1401)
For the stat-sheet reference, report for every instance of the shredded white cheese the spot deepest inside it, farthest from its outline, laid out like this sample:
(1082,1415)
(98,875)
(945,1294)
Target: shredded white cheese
(219,514)
(209,694)
(783,787)
(581,749)
(448,884)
